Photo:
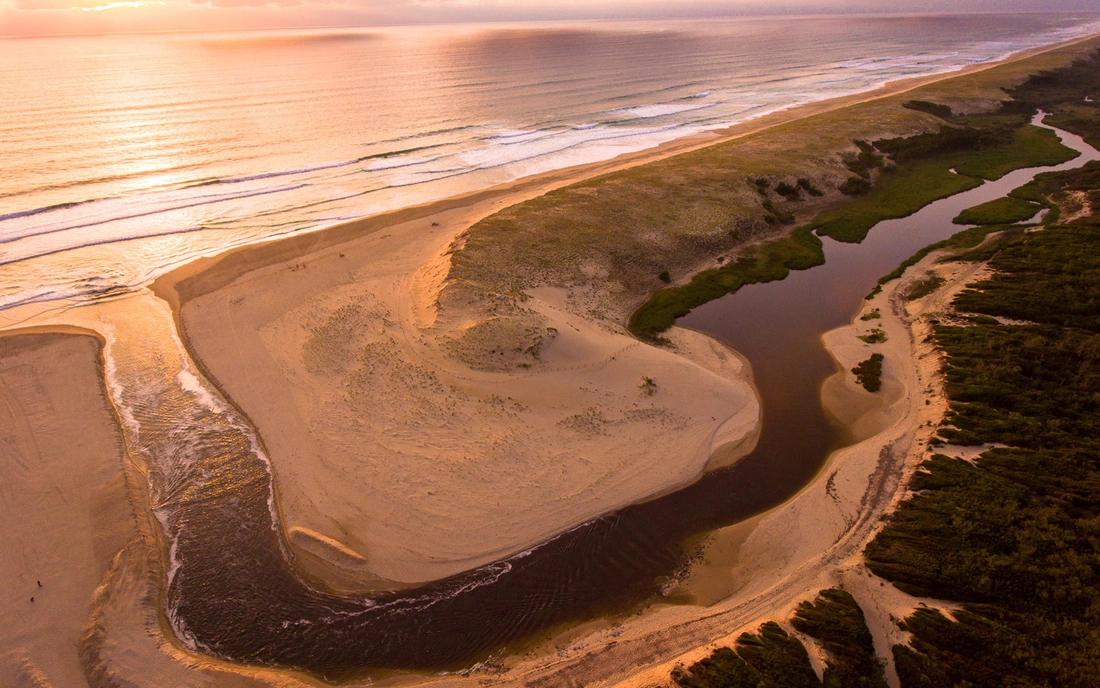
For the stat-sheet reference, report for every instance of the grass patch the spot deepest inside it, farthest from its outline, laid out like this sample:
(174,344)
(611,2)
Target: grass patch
(770,261)
(924,287)
(923,174)
(873,315)
(869,373)
(1002,211)
(899,193)
(1030,147)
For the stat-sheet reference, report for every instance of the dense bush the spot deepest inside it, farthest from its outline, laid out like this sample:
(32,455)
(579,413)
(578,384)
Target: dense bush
(941,111)
(869,373)
(1014,536)
(773,659)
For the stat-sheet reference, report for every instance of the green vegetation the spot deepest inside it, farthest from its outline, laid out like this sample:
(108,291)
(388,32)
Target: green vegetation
(923,173)
(865,161)
(967,238)
(837,622)
(791,192)
(1062,92)
(924,287)
(765,263)
(664,276)
(775,214)
(1014,536)
(855,186)
(873,315)
(941,111)
(869,373)
(809,187)
(875,336)
(771,659)
(774,659)
(1002,211)
(1063,266)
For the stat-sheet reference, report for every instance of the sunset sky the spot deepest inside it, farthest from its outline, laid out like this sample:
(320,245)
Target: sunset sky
(46,17)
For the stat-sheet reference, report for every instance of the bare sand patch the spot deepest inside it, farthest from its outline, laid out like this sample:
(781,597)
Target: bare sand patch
(64,508)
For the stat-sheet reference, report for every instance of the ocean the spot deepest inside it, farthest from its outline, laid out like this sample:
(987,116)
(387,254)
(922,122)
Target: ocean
(124,156)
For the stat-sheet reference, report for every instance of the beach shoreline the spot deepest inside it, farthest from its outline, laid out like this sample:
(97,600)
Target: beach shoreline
(240,266)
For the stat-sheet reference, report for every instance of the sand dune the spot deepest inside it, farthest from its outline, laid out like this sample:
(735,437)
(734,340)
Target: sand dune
(423,443)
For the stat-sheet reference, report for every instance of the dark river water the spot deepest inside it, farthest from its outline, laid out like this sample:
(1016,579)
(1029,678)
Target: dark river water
(231,592)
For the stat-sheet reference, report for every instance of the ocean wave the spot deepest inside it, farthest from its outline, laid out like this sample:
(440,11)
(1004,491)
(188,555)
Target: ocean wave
(91,243)
(659,110)
(11,236)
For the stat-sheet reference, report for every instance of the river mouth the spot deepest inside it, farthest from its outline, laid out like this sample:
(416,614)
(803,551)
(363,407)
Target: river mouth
(231,592)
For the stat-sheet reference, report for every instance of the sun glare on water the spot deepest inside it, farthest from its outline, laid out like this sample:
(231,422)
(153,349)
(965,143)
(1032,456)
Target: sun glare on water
(124,3)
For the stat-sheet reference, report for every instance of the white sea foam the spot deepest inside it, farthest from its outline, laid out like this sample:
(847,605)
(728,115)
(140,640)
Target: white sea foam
(659,110)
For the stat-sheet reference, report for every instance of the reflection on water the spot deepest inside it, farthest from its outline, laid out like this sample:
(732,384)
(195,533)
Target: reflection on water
(125,155)
(231,591)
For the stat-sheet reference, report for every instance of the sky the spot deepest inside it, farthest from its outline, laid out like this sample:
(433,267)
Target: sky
(52,17)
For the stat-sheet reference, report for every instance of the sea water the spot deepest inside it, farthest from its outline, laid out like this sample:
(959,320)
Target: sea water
(124,156)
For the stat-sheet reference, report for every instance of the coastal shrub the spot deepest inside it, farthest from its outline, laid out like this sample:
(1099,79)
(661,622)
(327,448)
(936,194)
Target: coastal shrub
(1002,211)
(873,315)
(1061,91)
(836,621)
(771,658)
(869,373)
(1013,536)
(780,215)
(863,162)
(789,191)
(937,109)
(875,336)
(1034,270)
(809,187)
(664,276)
(855,186)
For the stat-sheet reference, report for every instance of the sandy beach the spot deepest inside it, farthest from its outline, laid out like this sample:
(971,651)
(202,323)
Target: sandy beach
(64,506)
(403,454)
